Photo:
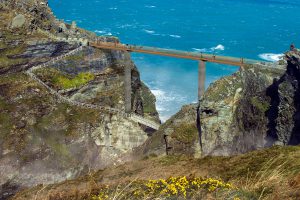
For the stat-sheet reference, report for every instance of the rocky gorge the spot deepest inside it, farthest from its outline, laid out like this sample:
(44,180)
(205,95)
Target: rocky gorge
(44,140)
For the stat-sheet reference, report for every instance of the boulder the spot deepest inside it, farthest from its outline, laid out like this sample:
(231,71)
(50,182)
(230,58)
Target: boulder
(18,21)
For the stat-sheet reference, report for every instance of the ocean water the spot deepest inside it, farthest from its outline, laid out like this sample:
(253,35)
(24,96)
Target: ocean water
(256,29)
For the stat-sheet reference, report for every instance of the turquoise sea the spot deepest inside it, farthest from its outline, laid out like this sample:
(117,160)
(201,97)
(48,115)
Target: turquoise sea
(257,29)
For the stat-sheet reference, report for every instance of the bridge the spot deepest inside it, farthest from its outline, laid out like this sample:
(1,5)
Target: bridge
(201,57)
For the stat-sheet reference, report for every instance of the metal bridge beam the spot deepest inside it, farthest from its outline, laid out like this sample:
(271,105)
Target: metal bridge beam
(201,78)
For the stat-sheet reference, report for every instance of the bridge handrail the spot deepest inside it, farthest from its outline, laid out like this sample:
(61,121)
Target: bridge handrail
(176,53)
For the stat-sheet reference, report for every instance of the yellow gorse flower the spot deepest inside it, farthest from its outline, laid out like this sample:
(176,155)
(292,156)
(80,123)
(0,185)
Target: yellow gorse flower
(173,186)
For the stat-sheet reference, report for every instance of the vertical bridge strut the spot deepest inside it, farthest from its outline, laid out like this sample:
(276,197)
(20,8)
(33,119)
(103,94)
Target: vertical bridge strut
(201,90)
(201,78)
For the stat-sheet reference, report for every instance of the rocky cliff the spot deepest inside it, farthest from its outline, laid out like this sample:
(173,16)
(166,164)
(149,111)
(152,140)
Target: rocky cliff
(43,137)
(254,108)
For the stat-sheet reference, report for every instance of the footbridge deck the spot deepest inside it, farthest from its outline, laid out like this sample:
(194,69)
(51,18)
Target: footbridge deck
(174,53)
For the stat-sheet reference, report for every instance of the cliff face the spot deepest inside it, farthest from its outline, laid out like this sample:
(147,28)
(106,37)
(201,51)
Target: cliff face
(234,118)
(43,138)
(256,107)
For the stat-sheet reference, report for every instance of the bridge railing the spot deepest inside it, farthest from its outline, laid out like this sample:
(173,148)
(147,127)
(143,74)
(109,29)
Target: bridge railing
(176,53)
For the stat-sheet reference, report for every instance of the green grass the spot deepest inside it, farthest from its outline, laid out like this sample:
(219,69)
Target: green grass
(64,81)
(3,104)
(80,80)
(8,51)
(5,125)
(148,100)
(77,57)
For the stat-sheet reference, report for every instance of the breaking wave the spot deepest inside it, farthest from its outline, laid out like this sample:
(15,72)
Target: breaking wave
(149,31)
(219,47)
(103,32)
(164,102)
(175,36)
(149,6)
(270,57)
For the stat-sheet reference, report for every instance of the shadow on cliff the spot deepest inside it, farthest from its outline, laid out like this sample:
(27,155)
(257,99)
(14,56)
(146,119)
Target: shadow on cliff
(291,76)
(272,113)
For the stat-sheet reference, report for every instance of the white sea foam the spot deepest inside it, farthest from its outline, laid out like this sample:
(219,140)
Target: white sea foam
(219,47)
(103,32)
(157,34)
(199,50)
(164,102)
(99,31)
(149,6)
(149,31)
(270,56)
(175,36)
(162,95)
(126,26)
(113,8)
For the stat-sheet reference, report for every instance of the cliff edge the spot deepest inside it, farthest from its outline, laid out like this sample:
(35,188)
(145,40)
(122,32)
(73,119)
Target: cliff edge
(58,100)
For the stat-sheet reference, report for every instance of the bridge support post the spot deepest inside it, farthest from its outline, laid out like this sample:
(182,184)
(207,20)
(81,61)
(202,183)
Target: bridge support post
(127,84)
(201,90)
(201,78)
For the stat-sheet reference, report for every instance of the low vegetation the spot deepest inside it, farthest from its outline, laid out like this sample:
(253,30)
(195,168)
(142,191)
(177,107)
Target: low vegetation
(148,100)
(79,80)
(266,174)
(171,188)
(59,80)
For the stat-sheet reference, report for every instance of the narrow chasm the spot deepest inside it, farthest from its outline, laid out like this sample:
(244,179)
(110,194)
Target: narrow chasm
(198,123)
(272,113)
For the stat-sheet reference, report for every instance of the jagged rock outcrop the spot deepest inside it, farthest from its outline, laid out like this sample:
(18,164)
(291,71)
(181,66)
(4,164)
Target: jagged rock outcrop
(178,135)
(45,140)
(254,108)
(284,113)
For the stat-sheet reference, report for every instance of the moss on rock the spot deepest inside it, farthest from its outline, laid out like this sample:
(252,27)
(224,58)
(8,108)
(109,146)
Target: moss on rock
(186,133)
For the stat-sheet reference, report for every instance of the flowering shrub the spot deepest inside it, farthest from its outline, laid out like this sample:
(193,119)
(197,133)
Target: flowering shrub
(172,187)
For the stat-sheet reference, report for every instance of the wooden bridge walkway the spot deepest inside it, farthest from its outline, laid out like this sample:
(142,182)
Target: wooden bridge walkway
(174,53)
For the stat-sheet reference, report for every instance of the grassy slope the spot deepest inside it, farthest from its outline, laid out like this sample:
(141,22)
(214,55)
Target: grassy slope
(266,174)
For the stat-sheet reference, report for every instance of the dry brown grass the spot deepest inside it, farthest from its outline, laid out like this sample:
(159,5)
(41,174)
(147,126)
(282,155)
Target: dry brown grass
(266,174)
(270,182)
